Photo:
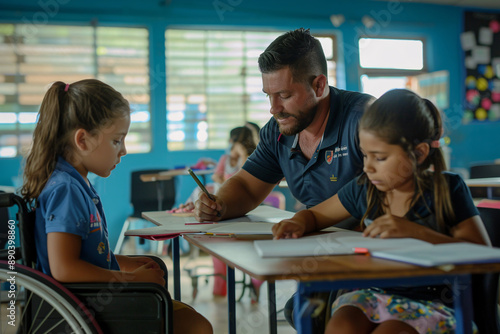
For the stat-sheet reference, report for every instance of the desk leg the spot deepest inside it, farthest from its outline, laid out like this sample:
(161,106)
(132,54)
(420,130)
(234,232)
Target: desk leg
(177,268)
(461,286)
(231,300)
(159,194)
(301,312)
(271,306)
(462,301)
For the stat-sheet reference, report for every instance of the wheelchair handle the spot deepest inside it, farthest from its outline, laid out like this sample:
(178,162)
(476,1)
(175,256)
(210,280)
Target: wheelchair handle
(9,199)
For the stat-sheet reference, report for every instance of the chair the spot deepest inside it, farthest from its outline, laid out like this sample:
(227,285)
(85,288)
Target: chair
(147,196)
(41,304)
(276,199)
(485,286)
(484,171)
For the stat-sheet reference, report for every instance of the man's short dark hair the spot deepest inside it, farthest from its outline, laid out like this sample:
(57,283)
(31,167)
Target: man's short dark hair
(298,50)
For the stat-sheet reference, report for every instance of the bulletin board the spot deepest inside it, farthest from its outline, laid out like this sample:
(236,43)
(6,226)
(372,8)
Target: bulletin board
(480,42)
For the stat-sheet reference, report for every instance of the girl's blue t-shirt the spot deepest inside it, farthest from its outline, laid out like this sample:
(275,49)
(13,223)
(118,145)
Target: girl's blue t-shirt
(68,204)
(353,198)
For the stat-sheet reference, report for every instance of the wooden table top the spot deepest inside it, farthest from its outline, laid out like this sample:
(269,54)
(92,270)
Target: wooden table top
(483,182)
(241,254)
(168,174)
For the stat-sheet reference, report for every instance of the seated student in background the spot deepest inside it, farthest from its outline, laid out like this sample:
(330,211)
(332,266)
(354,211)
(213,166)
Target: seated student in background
(241,145)
(399,137)
(255,131)
(235,156)
(81,128)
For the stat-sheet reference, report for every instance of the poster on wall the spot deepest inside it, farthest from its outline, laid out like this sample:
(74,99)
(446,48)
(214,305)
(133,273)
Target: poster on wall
(480,42)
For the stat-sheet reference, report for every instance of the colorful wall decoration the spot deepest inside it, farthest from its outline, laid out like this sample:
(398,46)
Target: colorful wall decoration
(481,45)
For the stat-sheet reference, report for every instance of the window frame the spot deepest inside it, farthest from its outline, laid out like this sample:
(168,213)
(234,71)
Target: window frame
(394,72)
(388,72)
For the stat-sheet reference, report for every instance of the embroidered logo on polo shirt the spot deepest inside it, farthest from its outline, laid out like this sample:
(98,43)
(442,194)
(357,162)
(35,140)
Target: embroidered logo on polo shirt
(101,248)
(95,222)
(329,157)
(333,178)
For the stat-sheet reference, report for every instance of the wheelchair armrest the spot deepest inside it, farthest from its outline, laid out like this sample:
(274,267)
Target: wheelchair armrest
(127,307)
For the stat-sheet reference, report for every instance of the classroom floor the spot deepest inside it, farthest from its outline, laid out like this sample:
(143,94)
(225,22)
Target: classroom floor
(252,318)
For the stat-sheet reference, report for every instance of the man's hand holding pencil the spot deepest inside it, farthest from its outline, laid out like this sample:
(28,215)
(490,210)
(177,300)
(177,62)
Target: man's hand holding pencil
(206,205)
(208,209)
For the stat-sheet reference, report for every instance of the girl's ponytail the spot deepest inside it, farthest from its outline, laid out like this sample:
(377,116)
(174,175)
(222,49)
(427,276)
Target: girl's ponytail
(443,205)
(42,157)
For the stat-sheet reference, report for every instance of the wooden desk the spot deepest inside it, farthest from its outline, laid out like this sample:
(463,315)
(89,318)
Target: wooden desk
(262,213)
(326,273)
(169,174)
(489,183)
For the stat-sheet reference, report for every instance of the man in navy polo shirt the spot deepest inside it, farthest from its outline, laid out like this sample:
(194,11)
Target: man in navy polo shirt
(311,139)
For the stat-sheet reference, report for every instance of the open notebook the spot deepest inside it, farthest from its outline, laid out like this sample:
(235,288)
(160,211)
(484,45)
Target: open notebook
(257,222)
(235,229)
(337,243)
(408,250)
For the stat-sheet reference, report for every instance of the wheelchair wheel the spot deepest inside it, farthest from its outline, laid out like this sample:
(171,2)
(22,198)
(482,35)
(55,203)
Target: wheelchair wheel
(36,303)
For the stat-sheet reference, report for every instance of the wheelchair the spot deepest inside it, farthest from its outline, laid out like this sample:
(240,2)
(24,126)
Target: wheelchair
(37,303)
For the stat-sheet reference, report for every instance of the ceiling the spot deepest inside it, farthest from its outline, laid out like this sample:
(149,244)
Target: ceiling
(490,4)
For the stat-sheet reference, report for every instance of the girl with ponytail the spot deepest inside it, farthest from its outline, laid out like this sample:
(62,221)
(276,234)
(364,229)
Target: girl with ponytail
(81,128)
(404,191)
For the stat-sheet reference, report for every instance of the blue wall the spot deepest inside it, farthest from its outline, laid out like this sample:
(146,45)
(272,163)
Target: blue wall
(439,25)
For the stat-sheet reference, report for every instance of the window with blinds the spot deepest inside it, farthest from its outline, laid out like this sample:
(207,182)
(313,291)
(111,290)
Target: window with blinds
(31,59)
(214,84)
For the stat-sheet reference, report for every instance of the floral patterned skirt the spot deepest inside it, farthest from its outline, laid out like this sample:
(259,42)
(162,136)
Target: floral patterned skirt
(425,316)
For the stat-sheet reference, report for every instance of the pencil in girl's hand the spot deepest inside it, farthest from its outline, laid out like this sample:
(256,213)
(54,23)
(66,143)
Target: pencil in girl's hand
(202,187)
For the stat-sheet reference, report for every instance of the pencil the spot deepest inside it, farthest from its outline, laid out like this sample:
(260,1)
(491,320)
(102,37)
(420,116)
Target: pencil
(202,187)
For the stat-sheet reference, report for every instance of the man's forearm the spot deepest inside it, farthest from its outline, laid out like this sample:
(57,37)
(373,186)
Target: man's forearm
(240,195)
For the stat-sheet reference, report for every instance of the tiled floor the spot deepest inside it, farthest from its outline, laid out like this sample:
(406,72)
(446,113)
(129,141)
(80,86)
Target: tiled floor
(252,318)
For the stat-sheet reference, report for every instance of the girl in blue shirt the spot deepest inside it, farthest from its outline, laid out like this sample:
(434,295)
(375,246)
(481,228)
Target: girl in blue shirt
(406,193)
(82,128)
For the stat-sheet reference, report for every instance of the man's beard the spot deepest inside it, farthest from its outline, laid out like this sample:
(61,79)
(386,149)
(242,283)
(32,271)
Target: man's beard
(303,120)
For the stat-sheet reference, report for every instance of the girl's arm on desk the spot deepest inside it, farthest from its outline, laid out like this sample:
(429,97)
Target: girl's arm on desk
(66,265)
(323,215)
(390,226)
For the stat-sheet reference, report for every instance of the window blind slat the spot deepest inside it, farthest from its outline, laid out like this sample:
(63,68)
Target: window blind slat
(222,67)
(30,61)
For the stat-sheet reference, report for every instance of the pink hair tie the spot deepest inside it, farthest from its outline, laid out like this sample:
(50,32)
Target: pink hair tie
(66,88)
(435,144)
